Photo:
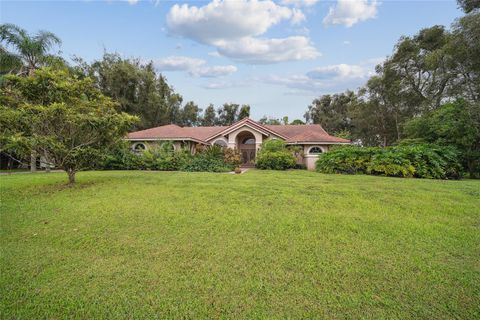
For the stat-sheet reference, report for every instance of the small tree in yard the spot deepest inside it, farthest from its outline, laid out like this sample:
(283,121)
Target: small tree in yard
(55,114)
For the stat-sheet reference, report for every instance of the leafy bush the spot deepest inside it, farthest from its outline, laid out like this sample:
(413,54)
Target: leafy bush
(348,159)
(274,155)
(232,157)
(208,159)
(416,160)
(121,157)
(390,164)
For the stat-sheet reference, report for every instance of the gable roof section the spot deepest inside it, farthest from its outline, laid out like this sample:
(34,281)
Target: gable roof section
(249,123)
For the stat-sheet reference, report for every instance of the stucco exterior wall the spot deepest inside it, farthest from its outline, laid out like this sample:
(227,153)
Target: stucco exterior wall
(232,137)
(311,159)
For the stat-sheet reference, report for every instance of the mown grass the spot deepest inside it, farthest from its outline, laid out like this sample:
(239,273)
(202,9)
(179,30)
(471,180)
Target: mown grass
(258,245)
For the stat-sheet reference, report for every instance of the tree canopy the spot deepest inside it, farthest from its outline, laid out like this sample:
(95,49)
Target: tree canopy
(22,53)
(65,119)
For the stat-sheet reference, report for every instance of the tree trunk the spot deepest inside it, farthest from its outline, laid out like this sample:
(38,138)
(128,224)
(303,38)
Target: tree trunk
(33,161)
(47,162)
(473,174)
(71,176)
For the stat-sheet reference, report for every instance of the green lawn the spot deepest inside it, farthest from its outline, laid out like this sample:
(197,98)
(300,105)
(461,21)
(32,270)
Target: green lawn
(258,245)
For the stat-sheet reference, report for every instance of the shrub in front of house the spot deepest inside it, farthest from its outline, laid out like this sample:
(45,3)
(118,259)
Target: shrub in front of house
(274,155)
(163,157)
(121,157)
(208,159)
(348,160)
(418,160)
(232,157)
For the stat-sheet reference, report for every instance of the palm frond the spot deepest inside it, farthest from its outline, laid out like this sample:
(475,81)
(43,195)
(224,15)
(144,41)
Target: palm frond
(46,40)
(9,62)
(11,34)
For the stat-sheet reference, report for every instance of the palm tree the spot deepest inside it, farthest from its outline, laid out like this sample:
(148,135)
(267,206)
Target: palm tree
(29,52)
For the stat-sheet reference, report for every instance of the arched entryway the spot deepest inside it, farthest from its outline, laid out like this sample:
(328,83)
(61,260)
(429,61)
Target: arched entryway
(246,146)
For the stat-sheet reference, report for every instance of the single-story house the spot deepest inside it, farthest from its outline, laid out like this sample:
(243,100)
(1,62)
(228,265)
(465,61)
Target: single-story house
(245,135)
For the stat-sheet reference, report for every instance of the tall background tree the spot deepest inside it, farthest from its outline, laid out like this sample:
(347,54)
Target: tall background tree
(209,116)
(469,5)
(427,90)
(137,88)
(453,124)
(331,111)
(22,53)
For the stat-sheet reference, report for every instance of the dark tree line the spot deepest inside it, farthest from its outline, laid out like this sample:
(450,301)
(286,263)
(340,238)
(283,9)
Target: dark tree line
(427,76)
(143,92)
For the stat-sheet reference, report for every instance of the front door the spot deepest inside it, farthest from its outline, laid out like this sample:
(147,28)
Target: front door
(248,156)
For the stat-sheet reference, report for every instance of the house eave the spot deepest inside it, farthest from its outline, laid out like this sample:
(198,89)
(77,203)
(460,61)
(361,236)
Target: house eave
(168,139)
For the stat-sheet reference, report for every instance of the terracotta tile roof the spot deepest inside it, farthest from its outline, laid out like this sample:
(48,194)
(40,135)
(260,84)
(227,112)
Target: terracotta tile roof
(293,133)
(249,123)
(171,131)
(305,133)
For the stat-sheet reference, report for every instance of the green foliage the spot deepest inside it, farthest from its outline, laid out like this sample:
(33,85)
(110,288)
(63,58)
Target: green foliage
(274,155)
(68,120)
(454,124)
(209,159)
(331,111)
(230,113)
(469,5)
(273,145)
(232,157)
(120,157)
(244,112)
(390,164)
(269,121)
(139,90)
(425,70)
(209,116)
(163,157)
(348,159)
(420,160)
(297,122)
(29,52)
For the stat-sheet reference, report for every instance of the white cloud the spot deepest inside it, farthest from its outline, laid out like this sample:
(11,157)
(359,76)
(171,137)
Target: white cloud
(332,78)
(214,54)
(297,16)
(350,12)
(299,3)
(213,72)
(338,71)
(233,27)
(217,85)
(132,1)
(346,42)
(178,63)
(229,19)
(263,51)
(195,67)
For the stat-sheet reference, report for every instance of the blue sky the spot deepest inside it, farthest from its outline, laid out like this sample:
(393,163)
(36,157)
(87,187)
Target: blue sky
(276,56)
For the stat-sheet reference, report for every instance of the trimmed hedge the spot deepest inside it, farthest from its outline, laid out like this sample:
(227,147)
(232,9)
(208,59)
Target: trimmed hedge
(420,161)
(274,155)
